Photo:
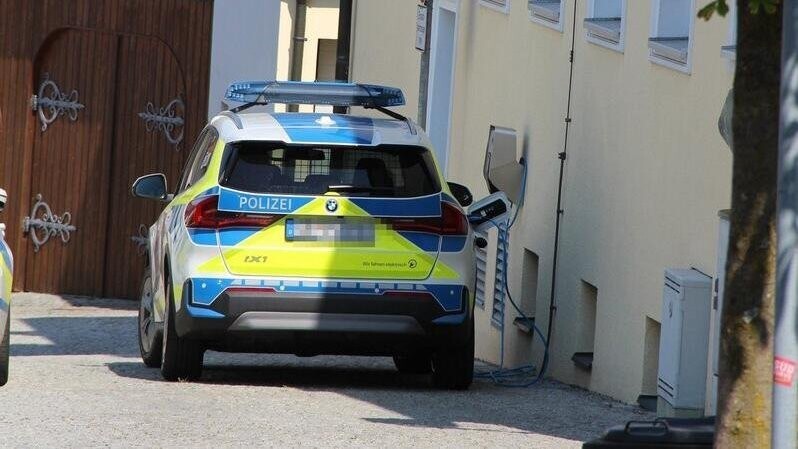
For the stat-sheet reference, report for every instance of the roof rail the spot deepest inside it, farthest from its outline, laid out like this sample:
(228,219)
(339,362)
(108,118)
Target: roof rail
(234,117)
(395,115)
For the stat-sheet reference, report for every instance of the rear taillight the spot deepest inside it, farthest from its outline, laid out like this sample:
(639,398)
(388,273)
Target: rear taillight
(204,213)
(451,222)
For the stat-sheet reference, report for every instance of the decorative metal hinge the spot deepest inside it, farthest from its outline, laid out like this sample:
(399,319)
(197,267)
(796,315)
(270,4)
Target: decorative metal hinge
(166,120)
(142,240)
(50,103)
(42,220)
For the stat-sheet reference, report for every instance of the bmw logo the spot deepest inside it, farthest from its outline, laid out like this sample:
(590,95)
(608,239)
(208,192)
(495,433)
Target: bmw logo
(331,205)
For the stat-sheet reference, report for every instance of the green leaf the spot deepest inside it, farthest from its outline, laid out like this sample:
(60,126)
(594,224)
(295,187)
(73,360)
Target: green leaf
(769,6)
(715,6)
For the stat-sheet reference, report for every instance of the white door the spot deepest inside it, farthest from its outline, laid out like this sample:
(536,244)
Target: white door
(441,80)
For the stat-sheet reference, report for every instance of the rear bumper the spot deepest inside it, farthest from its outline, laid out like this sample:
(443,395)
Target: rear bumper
(251,320)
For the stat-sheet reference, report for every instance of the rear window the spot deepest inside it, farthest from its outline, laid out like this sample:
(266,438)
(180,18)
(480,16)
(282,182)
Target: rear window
(391,171)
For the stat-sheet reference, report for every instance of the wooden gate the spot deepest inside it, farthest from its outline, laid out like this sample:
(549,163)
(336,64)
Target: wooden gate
(149,137)
(118,56)
(70,159)
(117,105)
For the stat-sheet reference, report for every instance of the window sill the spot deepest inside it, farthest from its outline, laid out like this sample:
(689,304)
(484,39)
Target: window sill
(605,31)
(672,52)
(525,325)
(729,52)
(505,9)
(546,13)
(583,360)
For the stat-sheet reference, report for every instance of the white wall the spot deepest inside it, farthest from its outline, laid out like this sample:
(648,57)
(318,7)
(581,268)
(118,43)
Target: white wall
(243,45)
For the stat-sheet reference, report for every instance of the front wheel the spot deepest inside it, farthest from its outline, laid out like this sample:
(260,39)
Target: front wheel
(453,367)
(150,337)
(181,358)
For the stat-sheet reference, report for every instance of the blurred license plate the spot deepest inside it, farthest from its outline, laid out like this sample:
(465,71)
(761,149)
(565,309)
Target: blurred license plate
(337,230)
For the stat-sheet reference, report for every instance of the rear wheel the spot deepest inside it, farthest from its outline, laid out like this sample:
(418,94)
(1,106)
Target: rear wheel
(413,364)
(181,358)
(150,337)
(453,367)
(4,350)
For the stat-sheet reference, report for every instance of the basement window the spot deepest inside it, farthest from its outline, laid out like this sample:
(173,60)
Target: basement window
(671,25)
(729,50)
(546,12)
(529,293)
(650,357)
(587,331)
(605,23)
(498,5)
(529,283)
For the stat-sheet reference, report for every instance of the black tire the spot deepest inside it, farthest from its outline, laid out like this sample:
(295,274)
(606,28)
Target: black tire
(5,344)
(453,367)
(150,336)
(181,358)
(413,364)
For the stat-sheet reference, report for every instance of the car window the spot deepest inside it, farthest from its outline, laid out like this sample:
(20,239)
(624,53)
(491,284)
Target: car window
(197,163)
(391,171)
(203,158)
(184,177)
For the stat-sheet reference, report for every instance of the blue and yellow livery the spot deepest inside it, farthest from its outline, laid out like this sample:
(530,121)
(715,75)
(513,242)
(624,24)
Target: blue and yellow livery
(6,280)
(310,234)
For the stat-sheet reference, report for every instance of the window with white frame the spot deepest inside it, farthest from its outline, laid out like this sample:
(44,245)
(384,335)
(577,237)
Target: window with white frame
(546,12)
(499,5)
(671,23)
(730,49)
(605,23)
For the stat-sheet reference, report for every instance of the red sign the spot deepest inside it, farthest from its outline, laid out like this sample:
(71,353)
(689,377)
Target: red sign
(783,371)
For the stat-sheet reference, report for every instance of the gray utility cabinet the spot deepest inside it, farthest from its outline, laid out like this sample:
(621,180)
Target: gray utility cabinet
(684,339)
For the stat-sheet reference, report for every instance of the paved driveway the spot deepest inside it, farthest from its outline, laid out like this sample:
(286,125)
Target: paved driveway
(76,380)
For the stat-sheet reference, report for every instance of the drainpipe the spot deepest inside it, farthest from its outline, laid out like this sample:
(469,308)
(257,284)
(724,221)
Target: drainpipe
(344,43)
(299,45)
(423,83)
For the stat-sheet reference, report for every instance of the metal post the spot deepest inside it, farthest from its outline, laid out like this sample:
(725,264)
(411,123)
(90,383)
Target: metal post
(785,348)
(423,82)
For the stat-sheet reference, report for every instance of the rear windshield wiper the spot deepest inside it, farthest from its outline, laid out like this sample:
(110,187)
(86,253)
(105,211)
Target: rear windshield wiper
(351,188)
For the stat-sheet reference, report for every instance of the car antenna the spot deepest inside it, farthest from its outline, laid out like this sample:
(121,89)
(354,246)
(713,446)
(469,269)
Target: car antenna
(386,111)
(258,101)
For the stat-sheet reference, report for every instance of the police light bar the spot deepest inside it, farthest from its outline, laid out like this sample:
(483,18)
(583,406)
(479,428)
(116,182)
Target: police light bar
(333,94)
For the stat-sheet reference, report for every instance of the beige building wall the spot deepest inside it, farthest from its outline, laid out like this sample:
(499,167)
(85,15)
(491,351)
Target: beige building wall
(321,22)
(646,172)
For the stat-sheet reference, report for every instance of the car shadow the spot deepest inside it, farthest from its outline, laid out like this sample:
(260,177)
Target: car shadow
(548,408)
(77,335)
(282,375)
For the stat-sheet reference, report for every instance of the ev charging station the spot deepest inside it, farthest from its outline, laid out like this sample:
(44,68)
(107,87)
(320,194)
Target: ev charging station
(505,175)
(505,178)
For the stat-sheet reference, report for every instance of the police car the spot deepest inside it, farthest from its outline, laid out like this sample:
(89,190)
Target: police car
(310,233)
(6,277)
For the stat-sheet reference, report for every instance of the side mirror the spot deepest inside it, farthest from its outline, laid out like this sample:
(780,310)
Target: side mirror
(461,194)
(3,199)
(151,187)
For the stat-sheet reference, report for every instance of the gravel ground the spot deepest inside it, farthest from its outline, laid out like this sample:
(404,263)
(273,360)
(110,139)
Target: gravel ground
(77,380)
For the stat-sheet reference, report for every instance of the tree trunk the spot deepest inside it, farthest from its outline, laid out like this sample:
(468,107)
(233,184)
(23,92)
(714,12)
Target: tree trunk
(746,349)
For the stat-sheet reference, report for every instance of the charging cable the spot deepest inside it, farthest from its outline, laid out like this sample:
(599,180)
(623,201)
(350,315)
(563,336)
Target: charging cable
(507,377)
